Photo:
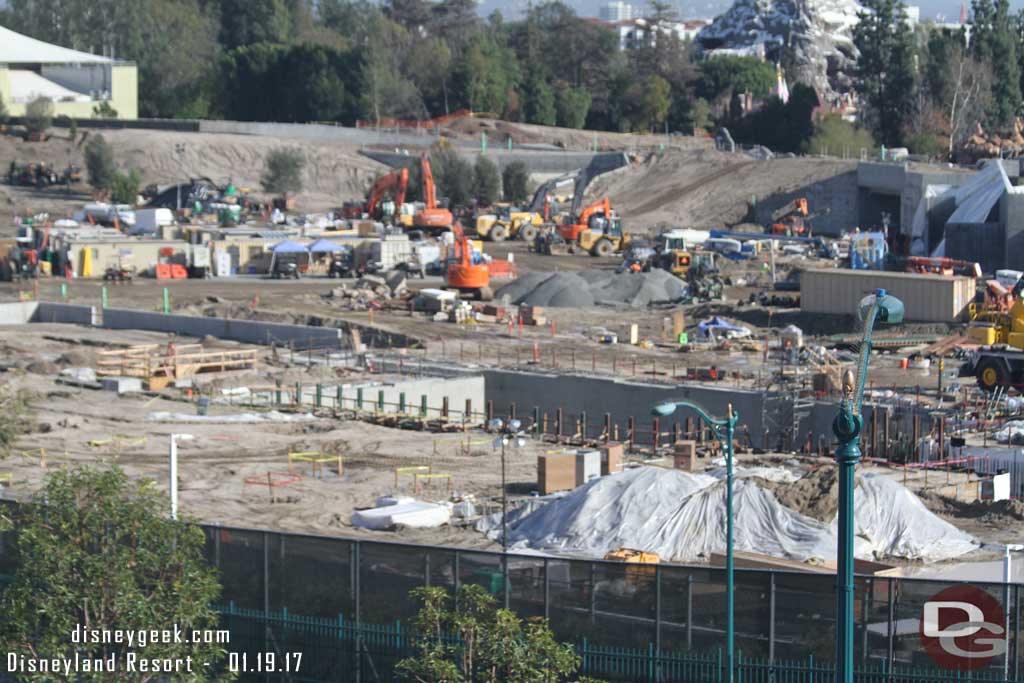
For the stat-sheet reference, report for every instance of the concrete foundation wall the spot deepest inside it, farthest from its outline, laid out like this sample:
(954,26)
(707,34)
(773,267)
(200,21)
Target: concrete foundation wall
(49,312)
(837,196)
(246,331)
(621,399)
(536,161)
(456,390)
(17,313)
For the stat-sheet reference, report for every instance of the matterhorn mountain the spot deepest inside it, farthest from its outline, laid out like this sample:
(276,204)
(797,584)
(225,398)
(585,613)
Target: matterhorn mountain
(818,32)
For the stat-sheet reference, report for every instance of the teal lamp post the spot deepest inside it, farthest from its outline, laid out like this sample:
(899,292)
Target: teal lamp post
(724,431)
(881,308)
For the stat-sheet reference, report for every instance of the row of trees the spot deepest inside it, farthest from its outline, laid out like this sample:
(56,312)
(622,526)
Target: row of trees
(928,89)
(342,60)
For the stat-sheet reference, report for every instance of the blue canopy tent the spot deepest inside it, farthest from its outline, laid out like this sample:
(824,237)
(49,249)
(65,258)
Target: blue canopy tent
(286,247)
(719,327)
(325,246)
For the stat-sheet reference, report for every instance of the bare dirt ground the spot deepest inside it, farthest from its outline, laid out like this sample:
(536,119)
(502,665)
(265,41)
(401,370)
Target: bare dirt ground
(567,138)
(334,171)
(704,188)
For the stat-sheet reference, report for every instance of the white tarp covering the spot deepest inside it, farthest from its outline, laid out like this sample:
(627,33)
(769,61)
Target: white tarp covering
(974,200)
(681,517)
(919,224)
(28,85)
(16,48)
(404,512)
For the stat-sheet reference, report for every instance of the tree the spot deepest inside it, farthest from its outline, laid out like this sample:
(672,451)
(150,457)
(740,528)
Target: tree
(539,103)
(887,79)
(125,189)
(728,74)
(99,163)
(282,172)
(486,181)
(514,180)
(496,644)
(1006,95)
(571,105)
(15,416)
(97,552)
(966,97)
(39,115)
(655,101)
(836,136)
(701,114)
(453,176)
(245,22)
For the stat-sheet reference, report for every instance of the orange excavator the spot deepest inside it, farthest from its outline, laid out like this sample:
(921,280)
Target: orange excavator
(942,266)
(464,275)
(571,230)
(395,181)
(431,217)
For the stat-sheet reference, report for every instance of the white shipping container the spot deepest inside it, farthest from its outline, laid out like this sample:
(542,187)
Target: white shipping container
(588,466)
(221,263)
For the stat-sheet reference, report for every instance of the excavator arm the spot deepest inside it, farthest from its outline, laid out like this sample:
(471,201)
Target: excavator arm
(429,191)
(797,207)
(396,180)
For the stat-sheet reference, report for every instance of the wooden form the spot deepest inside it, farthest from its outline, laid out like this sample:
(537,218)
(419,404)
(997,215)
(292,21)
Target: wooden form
(161,364)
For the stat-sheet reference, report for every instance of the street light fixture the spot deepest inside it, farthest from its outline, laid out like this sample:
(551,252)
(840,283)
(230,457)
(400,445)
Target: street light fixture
(173,455)
(509,434)
(724,431)
(884,308)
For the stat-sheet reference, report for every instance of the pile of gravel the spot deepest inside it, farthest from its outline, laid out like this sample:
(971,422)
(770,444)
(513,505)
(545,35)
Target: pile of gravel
(576,289)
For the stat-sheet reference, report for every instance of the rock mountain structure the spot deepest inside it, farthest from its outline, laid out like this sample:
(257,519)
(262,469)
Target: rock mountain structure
(819,34)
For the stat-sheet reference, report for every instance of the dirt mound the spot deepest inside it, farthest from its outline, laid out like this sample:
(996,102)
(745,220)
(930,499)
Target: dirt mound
(589,287)
(42,367)
(816,494)
(1001,512)
(334,171)
(704,188)
(75,359)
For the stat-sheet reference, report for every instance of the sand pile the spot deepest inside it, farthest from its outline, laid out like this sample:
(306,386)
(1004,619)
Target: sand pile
(816,494)
(593,287)
(681,517)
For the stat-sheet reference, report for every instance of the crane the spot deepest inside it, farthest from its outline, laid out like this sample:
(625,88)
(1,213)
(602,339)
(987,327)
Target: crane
(432,216)
(464,275)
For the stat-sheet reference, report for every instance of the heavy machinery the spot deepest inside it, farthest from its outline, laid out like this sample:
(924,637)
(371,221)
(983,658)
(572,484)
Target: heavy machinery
(462,274)
(641,569)
(523,225)
(793,218)
(396,182)
(431,216)
(578,221)
(604,235)
(999,360)
(943,266)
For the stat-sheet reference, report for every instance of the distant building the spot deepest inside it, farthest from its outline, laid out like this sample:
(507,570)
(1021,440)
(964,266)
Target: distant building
(913,14)
(633,32)
(75,81)
(616,11)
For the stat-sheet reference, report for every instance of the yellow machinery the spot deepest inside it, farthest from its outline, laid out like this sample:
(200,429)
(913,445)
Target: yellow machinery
(511,223)
(644,560)
(999,361)
(604,236)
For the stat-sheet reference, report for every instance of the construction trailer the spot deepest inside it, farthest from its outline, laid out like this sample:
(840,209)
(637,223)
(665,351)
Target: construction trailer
(927,298)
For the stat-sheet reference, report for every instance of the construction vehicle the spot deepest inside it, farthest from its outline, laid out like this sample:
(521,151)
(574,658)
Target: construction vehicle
(643,561)
(462,274)
(999,360)
(603,235)
(943,266)
(523,224)
(793,219)
(396,182)
(431,216)
(578,221)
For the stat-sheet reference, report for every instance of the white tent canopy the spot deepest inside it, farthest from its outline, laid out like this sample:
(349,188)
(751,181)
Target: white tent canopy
(28,85)
(16,48)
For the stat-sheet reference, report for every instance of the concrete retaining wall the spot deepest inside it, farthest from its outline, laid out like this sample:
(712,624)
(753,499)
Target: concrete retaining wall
(17,313)
(246,331)
(49,312)
(554,162)
(456,390)
(597,396)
